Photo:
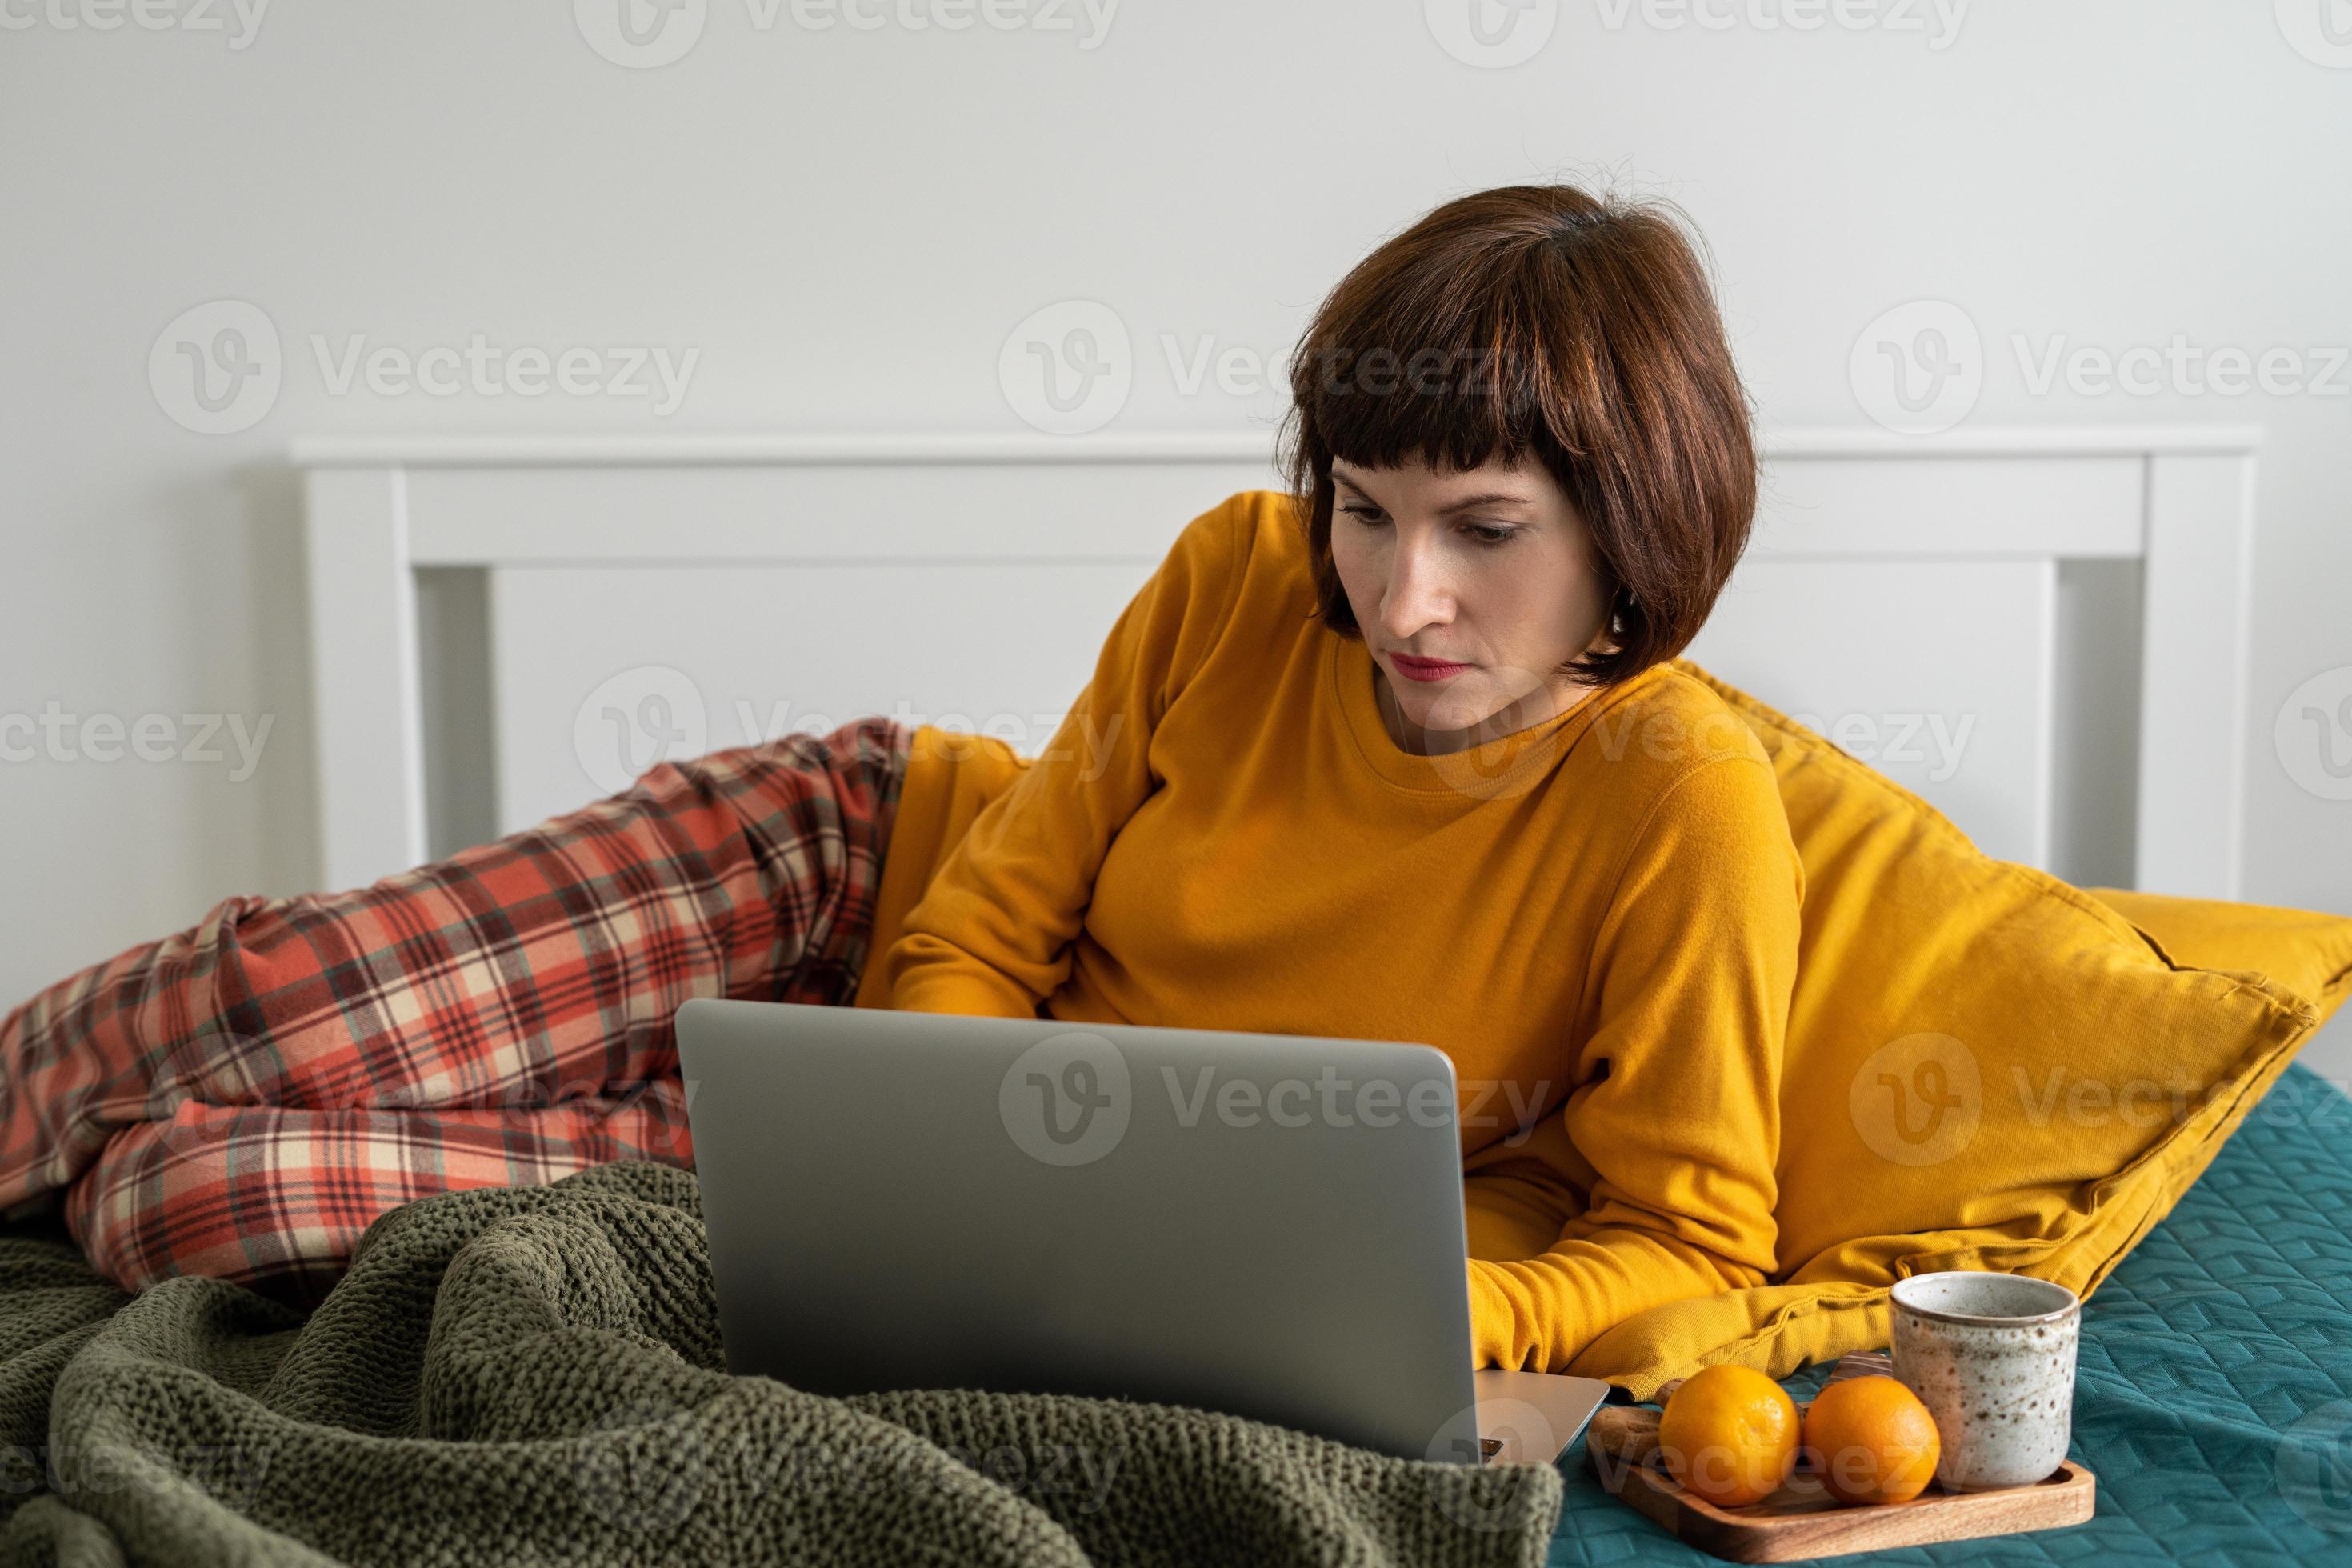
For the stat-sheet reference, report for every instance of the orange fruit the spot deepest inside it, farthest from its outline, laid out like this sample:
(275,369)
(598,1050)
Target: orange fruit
(1730,1435)
(1871,1440)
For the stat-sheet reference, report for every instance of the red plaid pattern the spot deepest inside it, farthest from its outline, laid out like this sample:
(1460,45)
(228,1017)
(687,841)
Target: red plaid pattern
(243,1099)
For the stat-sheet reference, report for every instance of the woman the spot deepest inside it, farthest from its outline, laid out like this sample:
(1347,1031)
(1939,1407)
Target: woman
(1399,754)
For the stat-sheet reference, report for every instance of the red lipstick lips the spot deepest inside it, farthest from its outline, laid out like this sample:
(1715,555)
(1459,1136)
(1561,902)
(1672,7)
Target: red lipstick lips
(1414,668)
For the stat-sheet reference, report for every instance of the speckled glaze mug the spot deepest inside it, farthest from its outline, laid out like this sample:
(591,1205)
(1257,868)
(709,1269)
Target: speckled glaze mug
(1992,1358)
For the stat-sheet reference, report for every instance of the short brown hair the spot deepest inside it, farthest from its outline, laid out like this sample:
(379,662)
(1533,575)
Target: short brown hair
(1540,319)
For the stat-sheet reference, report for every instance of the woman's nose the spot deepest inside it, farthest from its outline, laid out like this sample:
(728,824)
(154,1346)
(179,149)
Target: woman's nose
(1419,591)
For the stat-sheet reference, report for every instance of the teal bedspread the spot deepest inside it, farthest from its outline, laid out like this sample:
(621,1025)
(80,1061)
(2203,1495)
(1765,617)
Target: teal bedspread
(2214,1393)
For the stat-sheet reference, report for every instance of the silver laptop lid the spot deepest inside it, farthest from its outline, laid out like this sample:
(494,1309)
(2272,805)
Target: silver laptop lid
(1269,1225)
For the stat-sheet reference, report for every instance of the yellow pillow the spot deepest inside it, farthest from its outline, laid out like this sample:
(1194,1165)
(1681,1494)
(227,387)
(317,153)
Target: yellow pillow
(2310,954)
(1987,1068)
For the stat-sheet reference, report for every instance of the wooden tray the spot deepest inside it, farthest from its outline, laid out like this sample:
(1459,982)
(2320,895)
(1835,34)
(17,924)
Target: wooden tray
(1802,1521)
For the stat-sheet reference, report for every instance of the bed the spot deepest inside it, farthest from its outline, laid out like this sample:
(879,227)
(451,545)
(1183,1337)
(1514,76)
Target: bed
(500,624)
(536,1374)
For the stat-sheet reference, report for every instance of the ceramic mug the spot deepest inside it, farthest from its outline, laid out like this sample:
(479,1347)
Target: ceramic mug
(1992,1357)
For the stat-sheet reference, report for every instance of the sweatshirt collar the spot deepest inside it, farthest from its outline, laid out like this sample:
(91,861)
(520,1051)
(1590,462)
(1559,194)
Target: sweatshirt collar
(1509,765)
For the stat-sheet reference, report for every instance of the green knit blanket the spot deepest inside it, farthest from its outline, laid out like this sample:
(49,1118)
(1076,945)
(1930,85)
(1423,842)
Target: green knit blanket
(534,1375)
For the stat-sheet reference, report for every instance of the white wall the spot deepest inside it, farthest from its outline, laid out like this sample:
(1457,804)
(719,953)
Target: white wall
(845,226)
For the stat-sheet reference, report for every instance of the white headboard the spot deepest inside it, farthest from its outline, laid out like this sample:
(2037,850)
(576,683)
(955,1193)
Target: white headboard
(2042,631)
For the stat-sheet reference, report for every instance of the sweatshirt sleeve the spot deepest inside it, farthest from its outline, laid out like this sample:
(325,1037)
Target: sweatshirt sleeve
(990,934)
(1677,1108)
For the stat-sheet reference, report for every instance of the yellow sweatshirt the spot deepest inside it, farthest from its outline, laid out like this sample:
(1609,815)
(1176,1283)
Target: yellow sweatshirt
(1596,918)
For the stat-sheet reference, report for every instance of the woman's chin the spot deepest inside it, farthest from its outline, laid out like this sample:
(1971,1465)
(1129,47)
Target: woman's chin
(1445,717)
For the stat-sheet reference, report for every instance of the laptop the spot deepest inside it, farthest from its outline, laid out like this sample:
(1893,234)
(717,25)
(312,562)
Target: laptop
(1264,1225)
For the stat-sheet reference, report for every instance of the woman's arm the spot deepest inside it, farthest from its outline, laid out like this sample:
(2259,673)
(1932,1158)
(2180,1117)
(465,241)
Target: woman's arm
(1675,1124)
(990,934)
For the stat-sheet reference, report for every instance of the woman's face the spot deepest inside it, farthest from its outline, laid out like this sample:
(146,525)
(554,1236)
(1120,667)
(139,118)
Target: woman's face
(1491,568)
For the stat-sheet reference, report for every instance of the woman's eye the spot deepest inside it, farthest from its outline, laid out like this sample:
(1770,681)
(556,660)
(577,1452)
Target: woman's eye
(1479,532)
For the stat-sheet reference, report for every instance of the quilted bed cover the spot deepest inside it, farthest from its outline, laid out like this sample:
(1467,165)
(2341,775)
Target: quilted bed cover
(2213,1398)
